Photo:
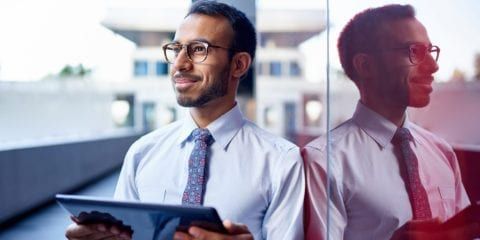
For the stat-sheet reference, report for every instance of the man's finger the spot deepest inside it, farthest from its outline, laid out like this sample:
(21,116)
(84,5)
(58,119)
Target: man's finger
(90,232)
(182,236)
(96,236)
(235,229)
(114,237)
(202,234)
(75,231)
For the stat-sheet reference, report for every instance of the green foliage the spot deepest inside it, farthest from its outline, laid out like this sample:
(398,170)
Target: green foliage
(69,71)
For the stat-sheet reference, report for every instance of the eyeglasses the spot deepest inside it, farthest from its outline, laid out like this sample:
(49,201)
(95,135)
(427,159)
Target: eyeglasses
(418,51)
(197,51)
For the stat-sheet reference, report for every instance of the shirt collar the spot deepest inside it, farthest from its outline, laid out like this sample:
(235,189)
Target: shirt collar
(223,129)
(188,126)
(376,126)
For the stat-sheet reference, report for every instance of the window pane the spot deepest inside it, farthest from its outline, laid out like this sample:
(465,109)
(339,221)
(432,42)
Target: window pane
(141,68)
(294,69)
(276,69)
(162,68)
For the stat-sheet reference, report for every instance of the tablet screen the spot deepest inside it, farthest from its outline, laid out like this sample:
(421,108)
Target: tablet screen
(145,220)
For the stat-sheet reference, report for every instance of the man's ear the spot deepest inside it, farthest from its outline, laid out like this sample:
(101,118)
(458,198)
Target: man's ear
(363,64)
(240,63)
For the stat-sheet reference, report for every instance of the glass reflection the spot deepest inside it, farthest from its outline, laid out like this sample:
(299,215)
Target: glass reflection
(390,169)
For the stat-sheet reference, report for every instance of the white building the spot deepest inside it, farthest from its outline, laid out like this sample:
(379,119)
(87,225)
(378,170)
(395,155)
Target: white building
(285,102)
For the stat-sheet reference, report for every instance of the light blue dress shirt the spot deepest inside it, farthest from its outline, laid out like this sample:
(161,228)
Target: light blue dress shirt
(254,177)
(368,198)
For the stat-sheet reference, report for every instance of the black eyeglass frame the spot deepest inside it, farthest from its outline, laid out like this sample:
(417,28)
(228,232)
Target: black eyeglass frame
(429,48)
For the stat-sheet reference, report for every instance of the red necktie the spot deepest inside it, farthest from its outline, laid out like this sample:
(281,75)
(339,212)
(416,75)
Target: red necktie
(417,193)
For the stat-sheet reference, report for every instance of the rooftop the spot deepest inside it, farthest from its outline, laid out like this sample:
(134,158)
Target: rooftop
(150,26)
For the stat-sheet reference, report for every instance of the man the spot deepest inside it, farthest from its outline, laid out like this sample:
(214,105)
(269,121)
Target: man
(251,176)
(383,170)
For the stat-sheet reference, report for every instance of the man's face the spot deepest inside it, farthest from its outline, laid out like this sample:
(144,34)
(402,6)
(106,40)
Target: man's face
(397,81)
(197,84)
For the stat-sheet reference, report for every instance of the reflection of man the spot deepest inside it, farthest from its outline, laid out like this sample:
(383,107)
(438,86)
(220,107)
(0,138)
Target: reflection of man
(384,169)
(215,157)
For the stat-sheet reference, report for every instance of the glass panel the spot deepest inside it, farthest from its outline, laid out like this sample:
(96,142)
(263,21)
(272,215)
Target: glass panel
(384,80)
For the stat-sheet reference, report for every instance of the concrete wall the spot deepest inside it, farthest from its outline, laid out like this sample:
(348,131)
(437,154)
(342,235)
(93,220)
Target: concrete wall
(31,176)
(51,109)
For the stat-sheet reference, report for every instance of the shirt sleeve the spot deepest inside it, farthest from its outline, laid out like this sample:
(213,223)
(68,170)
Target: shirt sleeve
(284,216)
(461,197)
(126,188)
(317,202)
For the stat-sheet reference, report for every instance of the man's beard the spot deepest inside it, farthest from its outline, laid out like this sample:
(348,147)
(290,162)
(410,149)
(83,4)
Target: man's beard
(219,88)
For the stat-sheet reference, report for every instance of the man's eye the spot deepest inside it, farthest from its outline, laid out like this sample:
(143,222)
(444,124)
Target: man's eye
(176,49)
(198,49)
(418,50)
(415,50)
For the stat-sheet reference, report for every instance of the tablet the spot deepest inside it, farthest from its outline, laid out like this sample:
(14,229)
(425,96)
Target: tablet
(144,220)
(470,214)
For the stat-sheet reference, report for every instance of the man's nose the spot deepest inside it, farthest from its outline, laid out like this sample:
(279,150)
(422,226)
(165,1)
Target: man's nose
(429,64)
(182,61)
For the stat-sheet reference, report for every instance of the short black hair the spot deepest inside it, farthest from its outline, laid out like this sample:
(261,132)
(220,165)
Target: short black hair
(244,35)
(362,32)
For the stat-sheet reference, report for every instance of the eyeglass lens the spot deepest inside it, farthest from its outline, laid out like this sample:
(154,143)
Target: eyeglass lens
(196,51)
(418,53)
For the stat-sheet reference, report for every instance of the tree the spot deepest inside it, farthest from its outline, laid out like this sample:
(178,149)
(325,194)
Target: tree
(76,71)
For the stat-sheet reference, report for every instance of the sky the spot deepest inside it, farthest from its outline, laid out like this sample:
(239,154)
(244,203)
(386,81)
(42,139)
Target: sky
(40,37)
(452,25)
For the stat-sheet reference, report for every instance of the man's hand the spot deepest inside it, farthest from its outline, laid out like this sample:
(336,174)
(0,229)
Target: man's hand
(97,231)
(235,232)
(432,230)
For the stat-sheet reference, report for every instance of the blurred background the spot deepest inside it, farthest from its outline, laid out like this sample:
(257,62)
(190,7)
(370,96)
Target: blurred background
(81,80)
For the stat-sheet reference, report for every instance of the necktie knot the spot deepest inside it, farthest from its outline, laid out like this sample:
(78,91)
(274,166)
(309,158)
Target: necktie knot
(403,135)
(202,135)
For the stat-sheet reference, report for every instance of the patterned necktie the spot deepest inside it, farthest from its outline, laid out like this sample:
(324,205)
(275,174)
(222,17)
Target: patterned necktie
(193,194)
(416,191)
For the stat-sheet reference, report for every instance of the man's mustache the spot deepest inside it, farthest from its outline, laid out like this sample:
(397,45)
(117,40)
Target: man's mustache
(186,75)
